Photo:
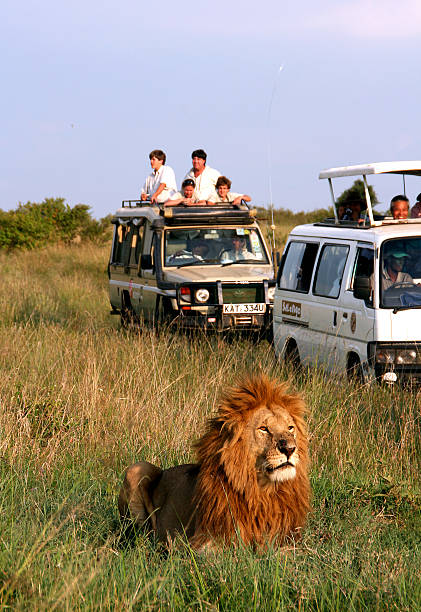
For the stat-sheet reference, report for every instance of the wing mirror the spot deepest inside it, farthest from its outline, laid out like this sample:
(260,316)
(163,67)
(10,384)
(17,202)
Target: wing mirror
(362,288)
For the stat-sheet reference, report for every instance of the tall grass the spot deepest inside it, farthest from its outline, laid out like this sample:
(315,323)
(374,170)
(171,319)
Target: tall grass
(80,399)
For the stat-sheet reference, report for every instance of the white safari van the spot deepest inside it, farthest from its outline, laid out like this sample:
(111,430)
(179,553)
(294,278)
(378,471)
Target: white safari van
(348,294)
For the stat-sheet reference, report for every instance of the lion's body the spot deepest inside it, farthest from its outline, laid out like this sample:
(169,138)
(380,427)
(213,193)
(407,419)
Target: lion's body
(251,481)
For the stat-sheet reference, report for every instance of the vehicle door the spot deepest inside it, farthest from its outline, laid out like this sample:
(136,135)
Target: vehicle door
(356,327)
(326,312)
(118,262)
(134,287)
(147,274)
(292,304)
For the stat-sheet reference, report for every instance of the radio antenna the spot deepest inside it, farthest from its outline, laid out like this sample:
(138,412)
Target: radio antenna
(272,227)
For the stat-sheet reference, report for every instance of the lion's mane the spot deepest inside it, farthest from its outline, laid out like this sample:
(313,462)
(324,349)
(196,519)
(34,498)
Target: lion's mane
(229,500)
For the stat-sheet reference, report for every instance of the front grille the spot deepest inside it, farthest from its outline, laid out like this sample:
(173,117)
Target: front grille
(243,320)
(242,294)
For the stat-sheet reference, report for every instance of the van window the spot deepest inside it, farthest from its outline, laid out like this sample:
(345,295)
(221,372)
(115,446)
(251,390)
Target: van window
(297,269)
(330,270)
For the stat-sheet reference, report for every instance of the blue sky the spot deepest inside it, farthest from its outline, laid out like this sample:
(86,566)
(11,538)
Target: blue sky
(89,88)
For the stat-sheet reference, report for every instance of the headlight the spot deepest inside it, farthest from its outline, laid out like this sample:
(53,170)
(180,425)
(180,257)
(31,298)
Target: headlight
(271,293)
(409,356)
(201,295)
(385,355)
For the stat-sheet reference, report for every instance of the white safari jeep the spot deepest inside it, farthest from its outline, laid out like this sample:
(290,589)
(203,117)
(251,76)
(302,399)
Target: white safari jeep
(205,267)
(348,295)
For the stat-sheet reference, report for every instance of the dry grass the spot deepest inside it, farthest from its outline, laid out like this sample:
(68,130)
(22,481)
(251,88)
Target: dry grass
(80,399)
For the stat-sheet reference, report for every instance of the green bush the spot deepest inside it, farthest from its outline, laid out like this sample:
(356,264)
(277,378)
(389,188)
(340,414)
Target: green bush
(34,225)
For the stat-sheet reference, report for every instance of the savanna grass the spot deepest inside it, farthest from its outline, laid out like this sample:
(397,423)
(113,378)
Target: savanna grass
(81,399)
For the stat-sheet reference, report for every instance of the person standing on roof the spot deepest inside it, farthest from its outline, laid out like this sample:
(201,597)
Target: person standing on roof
(204,177)
(223,193)
(416,209)
(160,184)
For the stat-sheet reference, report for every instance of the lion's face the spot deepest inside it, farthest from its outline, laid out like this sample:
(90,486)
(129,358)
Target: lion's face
(273,440)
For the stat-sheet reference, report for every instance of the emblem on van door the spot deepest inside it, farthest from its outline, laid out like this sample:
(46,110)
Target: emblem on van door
(353,322)
(293,309)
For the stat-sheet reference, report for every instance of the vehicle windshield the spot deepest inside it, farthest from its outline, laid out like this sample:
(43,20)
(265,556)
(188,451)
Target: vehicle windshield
(206,246)
(400,273)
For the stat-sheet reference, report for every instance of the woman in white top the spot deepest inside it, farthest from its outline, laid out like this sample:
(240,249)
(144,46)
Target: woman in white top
(160,184)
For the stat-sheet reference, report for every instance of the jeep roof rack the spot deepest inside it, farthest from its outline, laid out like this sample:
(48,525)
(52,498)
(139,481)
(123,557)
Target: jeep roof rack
(393,167)
(211,215)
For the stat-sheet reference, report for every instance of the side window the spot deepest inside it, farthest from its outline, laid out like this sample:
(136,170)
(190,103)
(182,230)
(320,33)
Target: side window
(330,270)
(364,267)
(364,264)
(297,268)
(120,240)
(136,244)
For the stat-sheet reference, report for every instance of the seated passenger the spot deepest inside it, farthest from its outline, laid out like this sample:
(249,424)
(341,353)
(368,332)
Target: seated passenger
(399,207)
(351,210)
(199,250)
(187,198)
(238,252)
(160,184)
(223,193)
(416,209)
(392,271)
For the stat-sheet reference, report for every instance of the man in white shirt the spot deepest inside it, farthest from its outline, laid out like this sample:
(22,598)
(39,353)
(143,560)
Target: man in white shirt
(238,252)
(204,177)
(160,184)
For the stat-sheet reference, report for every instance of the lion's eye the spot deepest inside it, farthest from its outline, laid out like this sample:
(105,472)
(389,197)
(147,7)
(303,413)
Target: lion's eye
(264,429)
(291,428)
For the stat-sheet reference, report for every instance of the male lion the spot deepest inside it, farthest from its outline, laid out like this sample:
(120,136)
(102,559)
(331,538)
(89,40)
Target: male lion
(250,482)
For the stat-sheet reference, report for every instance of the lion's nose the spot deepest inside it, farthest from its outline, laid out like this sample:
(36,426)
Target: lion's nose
(285,447)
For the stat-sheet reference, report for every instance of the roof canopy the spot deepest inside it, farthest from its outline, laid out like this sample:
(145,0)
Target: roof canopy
(394,167)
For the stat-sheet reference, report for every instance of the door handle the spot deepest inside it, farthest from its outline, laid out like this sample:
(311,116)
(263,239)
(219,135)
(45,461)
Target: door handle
(345,315)
(335,318)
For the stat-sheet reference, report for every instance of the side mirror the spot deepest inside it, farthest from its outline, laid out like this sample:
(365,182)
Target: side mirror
(277,258)
(362,288)
(146,262)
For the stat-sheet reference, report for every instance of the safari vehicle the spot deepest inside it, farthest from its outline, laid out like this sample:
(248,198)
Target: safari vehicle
(336,304)
(180,264)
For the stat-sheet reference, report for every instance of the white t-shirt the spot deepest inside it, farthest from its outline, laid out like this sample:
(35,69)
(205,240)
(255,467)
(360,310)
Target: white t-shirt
(164,175)
(205,182)
(230,197)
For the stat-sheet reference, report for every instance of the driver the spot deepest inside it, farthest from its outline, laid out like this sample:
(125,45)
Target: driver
(238,251)
(199,250)
(392,271)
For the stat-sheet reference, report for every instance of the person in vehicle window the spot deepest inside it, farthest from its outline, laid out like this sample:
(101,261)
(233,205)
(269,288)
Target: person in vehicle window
(223,193)
(351,211)
(204,177)
(416,209)
(199,250)
(187,197)
(399,207)
(160,184)
(392,272)
(238,252)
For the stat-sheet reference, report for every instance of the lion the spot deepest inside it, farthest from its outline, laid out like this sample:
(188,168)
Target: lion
(250,483)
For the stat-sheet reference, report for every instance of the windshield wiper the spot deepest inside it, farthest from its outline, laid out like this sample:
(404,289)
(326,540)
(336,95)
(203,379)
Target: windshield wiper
(241,261)
(399,308)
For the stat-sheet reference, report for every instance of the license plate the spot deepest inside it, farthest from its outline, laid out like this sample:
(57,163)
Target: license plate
(243,308)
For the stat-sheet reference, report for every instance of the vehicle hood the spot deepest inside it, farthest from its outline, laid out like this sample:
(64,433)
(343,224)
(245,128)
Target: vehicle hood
(403,326)
(234,273)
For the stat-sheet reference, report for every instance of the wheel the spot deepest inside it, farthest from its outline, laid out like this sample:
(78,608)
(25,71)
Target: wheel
(128,317)
(292,356)
(354,370)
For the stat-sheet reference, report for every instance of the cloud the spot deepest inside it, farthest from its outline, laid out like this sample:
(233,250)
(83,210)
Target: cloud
(370,19)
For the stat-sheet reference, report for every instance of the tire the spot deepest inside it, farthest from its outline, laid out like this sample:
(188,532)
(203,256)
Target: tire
(354,370)
(292,356)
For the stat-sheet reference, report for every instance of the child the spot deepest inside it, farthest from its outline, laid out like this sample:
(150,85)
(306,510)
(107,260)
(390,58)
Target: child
(223,193)
(160,184)
(187,197)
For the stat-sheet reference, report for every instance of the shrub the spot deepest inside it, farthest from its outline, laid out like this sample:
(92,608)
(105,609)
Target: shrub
(34,225)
